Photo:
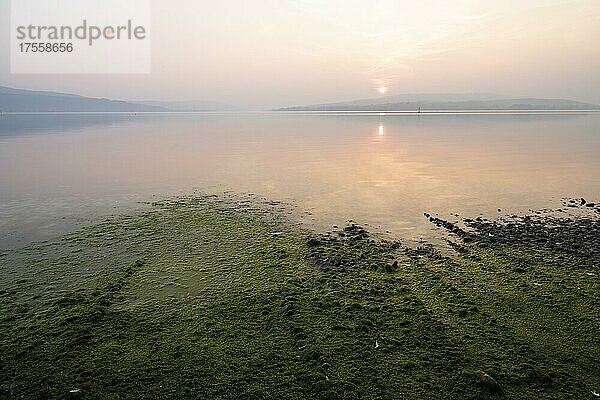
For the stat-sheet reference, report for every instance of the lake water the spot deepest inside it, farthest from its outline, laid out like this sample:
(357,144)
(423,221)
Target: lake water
(58,171)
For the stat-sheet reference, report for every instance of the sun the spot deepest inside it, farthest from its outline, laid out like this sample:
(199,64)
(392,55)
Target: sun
(382,90)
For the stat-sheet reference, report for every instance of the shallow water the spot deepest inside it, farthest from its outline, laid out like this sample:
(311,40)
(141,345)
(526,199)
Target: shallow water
(58,171)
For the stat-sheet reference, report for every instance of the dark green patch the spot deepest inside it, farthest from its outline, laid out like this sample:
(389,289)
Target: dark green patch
(197,298)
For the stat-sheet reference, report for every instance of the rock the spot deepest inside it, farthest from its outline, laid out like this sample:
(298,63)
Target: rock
(75,394)
(351,228)
(486,382)
(499,210)
(590,204)
(312,242)
(390,267)
(583,201)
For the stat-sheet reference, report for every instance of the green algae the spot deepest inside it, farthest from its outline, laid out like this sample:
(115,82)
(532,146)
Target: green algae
(200,298)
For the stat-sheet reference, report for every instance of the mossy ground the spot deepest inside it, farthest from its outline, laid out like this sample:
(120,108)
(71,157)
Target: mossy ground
(199,299)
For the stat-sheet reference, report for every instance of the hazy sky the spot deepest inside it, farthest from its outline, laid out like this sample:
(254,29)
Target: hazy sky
(276,52)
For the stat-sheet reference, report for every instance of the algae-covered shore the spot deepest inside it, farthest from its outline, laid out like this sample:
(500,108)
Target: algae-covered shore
(208,298)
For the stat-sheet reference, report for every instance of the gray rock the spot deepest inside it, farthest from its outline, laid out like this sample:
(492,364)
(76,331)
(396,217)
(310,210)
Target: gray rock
(486,382)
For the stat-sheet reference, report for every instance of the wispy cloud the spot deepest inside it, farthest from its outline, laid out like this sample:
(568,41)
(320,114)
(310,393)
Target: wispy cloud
(382,40)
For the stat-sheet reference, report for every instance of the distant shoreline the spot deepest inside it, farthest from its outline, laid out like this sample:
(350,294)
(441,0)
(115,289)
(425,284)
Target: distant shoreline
(24,100)
(313,112)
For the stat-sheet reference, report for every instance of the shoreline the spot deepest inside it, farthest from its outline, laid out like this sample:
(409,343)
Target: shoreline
(202,298)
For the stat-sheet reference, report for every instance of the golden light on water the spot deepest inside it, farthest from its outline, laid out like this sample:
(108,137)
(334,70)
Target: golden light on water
(381,130)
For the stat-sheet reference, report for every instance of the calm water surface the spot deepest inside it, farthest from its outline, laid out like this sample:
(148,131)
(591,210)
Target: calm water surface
(58,171)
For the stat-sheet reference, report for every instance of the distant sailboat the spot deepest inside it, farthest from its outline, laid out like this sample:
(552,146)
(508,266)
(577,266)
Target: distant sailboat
(419,110)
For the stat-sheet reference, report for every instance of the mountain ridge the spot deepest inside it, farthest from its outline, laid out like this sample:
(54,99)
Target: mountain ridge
(25,100)
(427,102)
